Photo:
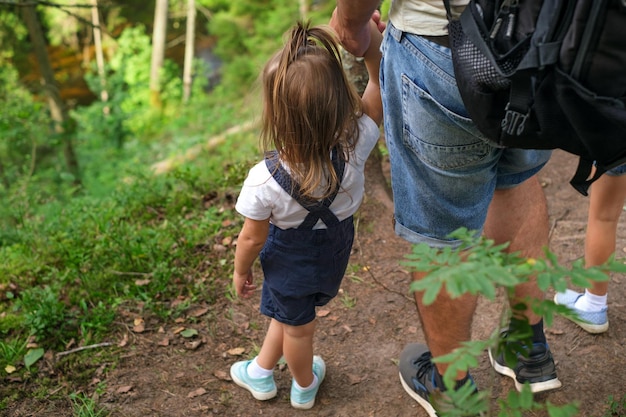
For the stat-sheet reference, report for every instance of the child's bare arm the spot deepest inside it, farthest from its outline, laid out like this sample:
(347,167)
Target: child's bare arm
(249,244)
(372,104)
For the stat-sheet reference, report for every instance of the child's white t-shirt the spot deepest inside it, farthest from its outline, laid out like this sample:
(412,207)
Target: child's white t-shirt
(261,197)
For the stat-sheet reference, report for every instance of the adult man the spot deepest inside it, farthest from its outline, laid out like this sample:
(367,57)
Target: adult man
(445,175)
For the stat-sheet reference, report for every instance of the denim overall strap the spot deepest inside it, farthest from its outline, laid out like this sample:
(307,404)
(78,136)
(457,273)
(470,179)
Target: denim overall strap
(317,209)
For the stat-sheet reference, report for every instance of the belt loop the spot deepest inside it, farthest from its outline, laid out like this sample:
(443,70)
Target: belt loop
(394,32)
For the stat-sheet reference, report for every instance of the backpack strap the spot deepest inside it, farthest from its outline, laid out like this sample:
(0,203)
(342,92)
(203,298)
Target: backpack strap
(317,209)
(581,180)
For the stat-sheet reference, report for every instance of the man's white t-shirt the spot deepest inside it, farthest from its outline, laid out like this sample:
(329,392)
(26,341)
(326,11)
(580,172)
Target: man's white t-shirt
(423,17)
(261,197)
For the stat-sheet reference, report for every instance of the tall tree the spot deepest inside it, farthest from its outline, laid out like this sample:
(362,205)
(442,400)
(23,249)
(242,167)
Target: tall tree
(159,34)
(97,40)
(304,9)
(63,124)
(189,48)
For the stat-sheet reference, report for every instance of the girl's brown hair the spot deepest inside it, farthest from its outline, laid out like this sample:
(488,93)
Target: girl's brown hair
(310,108)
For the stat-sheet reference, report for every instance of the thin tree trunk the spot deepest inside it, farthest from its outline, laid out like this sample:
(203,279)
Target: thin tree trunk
(190,40)
(97,42)
(158,50)
(63,124)
(304,9)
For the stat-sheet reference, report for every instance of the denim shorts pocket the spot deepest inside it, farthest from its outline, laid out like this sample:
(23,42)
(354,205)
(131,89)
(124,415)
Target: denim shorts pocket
(438,136)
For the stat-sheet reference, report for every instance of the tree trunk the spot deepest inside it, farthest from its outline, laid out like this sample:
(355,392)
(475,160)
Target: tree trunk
(190,40)
(304,9)
(376,184)
(159,33)
(63,124)
(97,41)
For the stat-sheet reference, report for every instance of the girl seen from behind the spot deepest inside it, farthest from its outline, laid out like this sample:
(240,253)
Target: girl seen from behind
(299,202)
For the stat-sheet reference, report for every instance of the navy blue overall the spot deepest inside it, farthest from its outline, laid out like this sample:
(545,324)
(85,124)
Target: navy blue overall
(303,267)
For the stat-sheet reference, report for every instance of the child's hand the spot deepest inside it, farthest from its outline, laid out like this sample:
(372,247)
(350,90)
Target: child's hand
(243,284)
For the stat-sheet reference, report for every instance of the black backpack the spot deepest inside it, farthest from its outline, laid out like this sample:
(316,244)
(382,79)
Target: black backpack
(545,75)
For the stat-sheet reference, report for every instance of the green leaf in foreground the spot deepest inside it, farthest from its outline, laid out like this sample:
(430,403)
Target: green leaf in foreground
(32,356)
(187,333)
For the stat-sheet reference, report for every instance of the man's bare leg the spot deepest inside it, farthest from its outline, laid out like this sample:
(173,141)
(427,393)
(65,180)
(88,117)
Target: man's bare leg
(520,216)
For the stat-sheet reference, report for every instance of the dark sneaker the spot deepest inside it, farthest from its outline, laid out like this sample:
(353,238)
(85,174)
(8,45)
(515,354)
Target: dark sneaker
(420,379)
(537,369)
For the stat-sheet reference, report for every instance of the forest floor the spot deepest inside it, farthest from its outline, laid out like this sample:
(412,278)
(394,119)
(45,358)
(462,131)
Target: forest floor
(360,335)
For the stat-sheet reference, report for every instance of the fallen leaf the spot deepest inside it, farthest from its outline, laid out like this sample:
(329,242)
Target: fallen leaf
(219,248)
(32,356)
(9,369)
(222,375)
(355,379)
(347,328)
(187,333)
(142,282)
(193,345)
(124,340)
(196,393)
(198,312)
(238,351)
(178,330)
(124,389)
(139,327)
(179,320)
(323,313)
(164,342)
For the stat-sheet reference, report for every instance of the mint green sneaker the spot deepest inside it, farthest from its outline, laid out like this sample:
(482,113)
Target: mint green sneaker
(260,388)
(592,322)
(305,400)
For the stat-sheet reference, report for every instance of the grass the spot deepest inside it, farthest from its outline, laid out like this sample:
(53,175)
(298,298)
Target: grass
(143,243)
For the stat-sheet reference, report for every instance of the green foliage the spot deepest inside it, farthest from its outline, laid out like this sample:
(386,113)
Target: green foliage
(12,32)
(478,266)
(617,407)
(12,351)
(44,314)
(84,406)
(128,112)
(63,24)
(464,401)
(250,31)
(23,130)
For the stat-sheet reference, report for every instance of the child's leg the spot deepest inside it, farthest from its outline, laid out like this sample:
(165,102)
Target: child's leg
(256,375)
(606,204)
(272,348)
(298,351)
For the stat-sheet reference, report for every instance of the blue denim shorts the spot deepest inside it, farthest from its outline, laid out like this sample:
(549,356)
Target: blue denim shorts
(303,269)
(617,171)
(443,170)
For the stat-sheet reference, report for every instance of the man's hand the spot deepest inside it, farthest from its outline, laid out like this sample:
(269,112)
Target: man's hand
(354,36)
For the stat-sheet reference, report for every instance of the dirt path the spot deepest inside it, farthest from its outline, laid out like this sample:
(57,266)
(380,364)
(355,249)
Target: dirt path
(360,335)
